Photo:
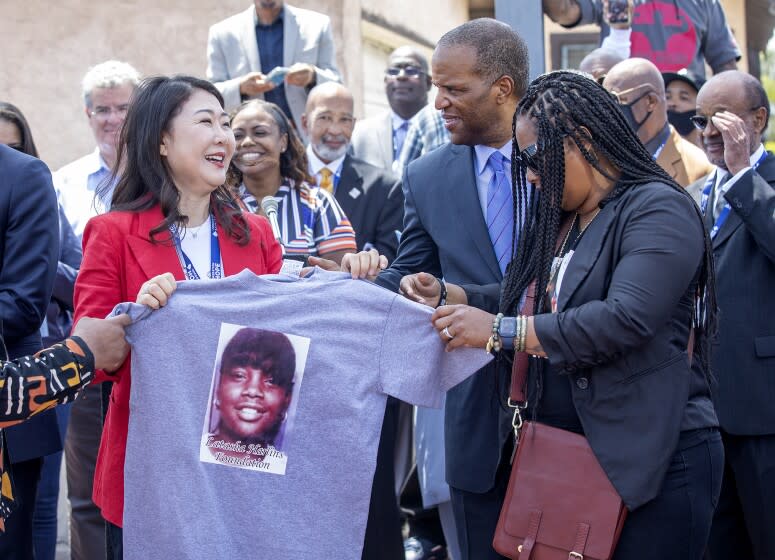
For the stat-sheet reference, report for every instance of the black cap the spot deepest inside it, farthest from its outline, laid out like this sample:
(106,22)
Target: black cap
(682,76)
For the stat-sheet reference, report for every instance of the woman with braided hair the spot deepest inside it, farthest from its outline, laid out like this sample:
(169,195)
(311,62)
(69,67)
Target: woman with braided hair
(620,264)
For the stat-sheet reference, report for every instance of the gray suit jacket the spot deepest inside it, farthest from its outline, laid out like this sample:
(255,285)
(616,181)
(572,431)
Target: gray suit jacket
(445,234)
(232,52)
(372,140)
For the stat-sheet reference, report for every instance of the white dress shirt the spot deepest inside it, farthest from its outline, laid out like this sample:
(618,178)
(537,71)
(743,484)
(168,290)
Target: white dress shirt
(316,164)
(76,185)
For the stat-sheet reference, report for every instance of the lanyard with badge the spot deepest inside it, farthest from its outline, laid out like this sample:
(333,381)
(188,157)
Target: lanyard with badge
(215,254)
(724,214)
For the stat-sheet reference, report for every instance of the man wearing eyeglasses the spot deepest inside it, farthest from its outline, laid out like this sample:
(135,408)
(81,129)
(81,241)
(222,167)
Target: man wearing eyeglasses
(84,191)
(640,88)
(738,200)
(107,88)
(378,140)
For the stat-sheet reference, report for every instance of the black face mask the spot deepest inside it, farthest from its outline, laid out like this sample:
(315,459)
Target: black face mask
(627,110)
(681,121)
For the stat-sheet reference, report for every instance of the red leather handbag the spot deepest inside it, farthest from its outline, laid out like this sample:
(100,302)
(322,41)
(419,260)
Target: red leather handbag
(560,504)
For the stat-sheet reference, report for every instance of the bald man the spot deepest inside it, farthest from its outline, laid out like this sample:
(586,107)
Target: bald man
(370,196)
(379,139)
(599,62)
(640,88)
(738,200)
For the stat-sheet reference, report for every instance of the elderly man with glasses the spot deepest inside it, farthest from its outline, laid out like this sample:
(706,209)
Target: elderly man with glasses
(738,200)
(640,89)
(84,190)
(378,140)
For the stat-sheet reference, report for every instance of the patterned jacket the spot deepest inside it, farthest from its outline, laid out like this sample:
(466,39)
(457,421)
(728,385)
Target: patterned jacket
(32,384)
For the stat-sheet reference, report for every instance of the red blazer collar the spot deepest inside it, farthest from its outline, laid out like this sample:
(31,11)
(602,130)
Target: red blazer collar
(158,258)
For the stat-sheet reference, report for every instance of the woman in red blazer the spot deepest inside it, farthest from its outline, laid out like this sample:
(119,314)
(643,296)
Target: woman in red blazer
(170,213)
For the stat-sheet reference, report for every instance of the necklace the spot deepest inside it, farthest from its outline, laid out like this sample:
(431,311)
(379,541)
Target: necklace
(576,219)
(195,231)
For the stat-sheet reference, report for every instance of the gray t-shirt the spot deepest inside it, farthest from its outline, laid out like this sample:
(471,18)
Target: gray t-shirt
(256,408)
(674,34)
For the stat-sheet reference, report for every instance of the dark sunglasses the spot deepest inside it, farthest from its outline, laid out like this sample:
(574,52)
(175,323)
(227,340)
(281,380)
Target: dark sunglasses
(701,122)
(409,71)
(530,158)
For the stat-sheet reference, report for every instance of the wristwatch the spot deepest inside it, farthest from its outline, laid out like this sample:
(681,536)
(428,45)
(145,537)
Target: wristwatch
(507,331)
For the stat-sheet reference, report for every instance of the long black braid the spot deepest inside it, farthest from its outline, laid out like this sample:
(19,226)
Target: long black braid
(560,103)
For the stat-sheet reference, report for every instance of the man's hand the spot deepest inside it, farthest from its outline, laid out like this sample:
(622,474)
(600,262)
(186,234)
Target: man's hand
(300,74)
(623,25)
(155,292)
(737,144)
(421,287)
(254,83)
(564,12)
(462,325)
(366,264)
(106,340)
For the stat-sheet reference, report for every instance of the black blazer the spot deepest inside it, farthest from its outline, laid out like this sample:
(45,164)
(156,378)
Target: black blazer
(29,250)
(744,358)
(445,235)
(372,200)
(621,332)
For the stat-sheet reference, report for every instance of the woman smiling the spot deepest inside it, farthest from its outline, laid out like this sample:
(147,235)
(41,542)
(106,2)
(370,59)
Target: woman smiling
(270,161)
(171,219)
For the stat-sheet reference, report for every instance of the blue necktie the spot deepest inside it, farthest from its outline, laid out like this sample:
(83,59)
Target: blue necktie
(500,210)
(399,135)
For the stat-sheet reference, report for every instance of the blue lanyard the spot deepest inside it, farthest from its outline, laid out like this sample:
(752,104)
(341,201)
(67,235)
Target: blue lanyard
(724,214)
(215,254)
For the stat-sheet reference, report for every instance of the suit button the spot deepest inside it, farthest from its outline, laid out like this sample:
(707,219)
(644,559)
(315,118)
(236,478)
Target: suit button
(582,383)
(737,203)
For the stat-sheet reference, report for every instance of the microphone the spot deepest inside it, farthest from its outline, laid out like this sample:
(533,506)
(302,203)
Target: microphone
(269,206)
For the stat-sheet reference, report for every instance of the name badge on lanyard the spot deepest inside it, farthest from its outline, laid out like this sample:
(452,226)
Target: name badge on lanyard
(215,254)
(724,214)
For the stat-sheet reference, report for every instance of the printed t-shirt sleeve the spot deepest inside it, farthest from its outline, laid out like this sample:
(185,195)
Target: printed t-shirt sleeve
(719,45)
(413,365)
(33,384)
(332,231)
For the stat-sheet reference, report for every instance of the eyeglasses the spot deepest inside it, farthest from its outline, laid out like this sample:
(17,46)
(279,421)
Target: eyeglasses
(701,122)
(103,113)
(409,71)
(530,158)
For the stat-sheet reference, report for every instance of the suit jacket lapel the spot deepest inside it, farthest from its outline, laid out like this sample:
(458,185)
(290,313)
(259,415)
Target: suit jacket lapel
(385,139)
(153,258)
(349,179)
(465,196)
(767,171)
(587,252)
(670,160)
(290,37)
(248,40)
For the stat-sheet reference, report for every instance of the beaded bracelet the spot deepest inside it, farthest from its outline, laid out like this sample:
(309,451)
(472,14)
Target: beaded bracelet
(494,344)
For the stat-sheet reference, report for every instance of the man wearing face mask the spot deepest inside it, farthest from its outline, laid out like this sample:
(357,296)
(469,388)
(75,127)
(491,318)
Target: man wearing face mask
(639,86)
(681,94)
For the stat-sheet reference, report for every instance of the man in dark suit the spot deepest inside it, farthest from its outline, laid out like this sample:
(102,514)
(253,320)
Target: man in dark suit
(459,216)
(370,197)
(738,200)
(29,251)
